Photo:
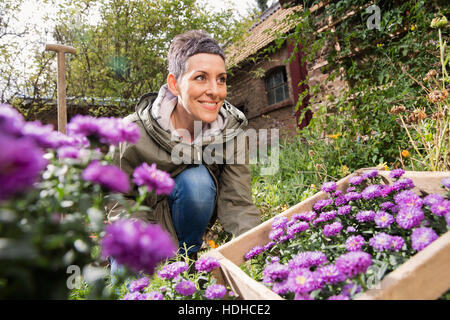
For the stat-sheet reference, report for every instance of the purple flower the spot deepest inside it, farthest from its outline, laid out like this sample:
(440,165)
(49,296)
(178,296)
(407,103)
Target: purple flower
(350,289)
(386,190)
(397,243)
(330,274)
(138,245)
(353,263)
(372,191)
(350,229)
(340,200)
(338,193)
(307,259)
(275,272)
(215,291)
(403,184)
(302,281)
(11,121)
(383,219)
(43,135)
(306,216)
(276,234)
(446,182)
(139,284)
(268,245)
(381,241)
(105,130)
(20,165)
(447,218)
(354,243)
(386,205)
(172,270)
(344,210)
(133,296)
(431,199)
(408,198)
(253,252)
(329,186)
(281,287)
(206,264)
(352,196)
(441,208)
(185,288)
(396,173)
(108,176)
(332,229)
(154,179)
(279,222)
(371,174)
(154,295)
(356,180)
(297,227)
(68,152)
(338,297)
(422,237)
(409,217)
(303,296)
(319,205)
(325,216)
(351,189)
(365,216)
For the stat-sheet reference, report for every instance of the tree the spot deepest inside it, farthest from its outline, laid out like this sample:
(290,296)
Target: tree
(262,5)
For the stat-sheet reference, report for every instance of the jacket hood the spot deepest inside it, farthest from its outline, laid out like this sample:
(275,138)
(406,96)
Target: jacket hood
(231,121)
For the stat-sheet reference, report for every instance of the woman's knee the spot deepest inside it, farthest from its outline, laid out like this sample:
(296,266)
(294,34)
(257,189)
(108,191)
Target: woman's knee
(196,185)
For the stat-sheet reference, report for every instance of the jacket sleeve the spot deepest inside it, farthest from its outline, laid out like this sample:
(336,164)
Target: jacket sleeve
(235,208)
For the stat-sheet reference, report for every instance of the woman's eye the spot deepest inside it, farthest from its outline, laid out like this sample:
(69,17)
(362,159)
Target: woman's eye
(223,80)
(201,77)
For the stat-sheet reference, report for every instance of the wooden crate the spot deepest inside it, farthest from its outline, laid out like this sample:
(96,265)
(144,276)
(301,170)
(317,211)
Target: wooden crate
(426,275)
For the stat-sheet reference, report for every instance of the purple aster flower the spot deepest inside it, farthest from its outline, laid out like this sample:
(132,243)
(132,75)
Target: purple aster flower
(330,274)
(329,187)
(365,216)
(68,152)
(302,280)
(185,288)
(352,196)
(139,284)
(386,190)
(431,199)
(154,179)
(447,218)
(353,263)
(372,192)
(441,208)
(286,237)
(409,217)
(11,121)
(350,289)
(396,173)
(319,205)
(381,241)
(108,176)
(355,181)
(333,229)
(276,234)
(154,295)
(344,210)
(338,193)
(351,229)
(268,245)
(206,264)
(422,237)
(307,259)
(279,222)
(273,259)
(303,296)
(138,245)
(133,296)
(215,291)
(403,184)
(297,227)
(446,182)
(172,270)
(306,216)
(350,189)
(281,287)
(338,297)
(397,243)
(43,135)
(408,198)
(20,165)
(354,243)
(339,201)
(371,174)
(386,205)
(253,252)
(275,272)
(383,219)
(328,215)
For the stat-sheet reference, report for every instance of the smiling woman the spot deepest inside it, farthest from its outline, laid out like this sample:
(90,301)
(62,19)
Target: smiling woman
(190,111)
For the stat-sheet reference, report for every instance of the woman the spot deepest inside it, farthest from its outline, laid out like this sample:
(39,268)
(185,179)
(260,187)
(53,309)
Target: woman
(185,130)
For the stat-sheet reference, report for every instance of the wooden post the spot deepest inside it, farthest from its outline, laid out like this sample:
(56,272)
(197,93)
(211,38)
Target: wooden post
(61,82)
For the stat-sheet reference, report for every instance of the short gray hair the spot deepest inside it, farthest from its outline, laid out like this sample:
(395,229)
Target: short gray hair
(188,44)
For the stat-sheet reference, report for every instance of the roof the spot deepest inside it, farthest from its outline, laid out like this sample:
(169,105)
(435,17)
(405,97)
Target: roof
(257,37)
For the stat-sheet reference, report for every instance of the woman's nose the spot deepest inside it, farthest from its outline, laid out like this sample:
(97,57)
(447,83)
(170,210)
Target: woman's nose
(213,88)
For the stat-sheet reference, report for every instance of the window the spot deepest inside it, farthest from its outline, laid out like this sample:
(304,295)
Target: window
(277,87)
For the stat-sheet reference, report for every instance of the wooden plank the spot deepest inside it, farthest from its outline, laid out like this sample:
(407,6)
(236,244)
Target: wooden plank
(426,275)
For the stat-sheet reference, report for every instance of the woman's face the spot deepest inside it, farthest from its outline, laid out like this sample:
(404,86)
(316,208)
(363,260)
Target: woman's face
(202,89)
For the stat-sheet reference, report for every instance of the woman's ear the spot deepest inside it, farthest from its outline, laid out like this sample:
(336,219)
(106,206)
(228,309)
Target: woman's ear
(172,84)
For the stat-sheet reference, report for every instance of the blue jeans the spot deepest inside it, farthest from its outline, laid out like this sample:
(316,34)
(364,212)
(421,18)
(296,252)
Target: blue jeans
(191,206)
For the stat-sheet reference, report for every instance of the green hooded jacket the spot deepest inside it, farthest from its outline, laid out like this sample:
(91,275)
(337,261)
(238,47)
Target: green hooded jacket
(224,154)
